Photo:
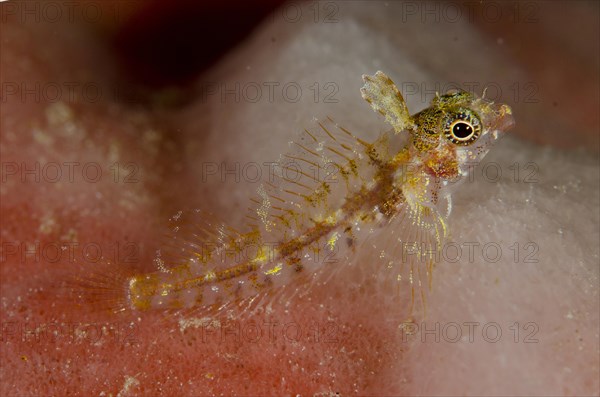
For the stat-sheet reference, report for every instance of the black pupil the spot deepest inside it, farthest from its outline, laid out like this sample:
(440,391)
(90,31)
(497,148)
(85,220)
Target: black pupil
(462,130)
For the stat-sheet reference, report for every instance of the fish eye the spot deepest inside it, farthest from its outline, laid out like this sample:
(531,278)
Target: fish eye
(462,128)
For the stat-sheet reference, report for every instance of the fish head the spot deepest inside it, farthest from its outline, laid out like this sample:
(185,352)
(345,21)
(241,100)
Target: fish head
(456,132)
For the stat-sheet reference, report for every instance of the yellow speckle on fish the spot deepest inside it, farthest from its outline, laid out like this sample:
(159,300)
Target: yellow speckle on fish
(210,276)
(263,255)
(332,240)
(274,270)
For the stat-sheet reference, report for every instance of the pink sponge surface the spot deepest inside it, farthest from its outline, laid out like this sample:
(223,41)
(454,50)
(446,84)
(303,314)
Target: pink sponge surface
(514,305)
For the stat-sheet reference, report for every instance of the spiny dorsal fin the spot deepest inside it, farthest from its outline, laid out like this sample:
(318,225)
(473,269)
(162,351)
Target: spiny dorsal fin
(383,96)
(326,163)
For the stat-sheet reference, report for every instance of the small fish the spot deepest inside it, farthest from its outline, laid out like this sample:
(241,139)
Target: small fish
(326,197)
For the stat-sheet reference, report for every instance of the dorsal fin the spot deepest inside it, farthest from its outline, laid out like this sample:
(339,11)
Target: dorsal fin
(385,98)
(194,235)
(326,164)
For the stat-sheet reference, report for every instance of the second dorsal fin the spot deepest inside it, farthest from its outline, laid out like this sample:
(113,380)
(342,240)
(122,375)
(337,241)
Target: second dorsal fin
(194,236)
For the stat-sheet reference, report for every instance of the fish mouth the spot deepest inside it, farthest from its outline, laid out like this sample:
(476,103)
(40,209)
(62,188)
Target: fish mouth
(501,118)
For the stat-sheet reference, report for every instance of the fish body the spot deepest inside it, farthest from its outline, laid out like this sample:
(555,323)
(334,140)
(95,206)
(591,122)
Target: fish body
(324,195)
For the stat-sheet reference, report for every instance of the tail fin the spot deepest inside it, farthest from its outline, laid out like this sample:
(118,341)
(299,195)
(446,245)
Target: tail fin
(104,289)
